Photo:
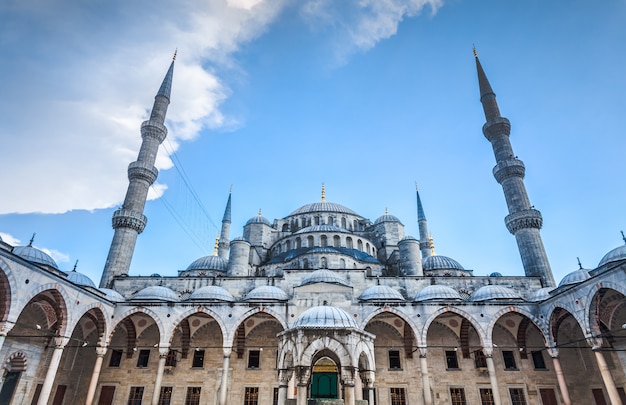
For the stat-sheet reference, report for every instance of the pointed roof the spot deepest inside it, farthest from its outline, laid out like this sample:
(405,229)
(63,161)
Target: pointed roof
(227,210)
(483,83)
(166,86)
(420,210)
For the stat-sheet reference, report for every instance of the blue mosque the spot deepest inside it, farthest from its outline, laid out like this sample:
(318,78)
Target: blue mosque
(321,306)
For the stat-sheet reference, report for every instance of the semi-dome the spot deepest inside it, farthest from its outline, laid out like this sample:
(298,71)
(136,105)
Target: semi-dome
(617,254)
(575,277)
(113,295)
(381,293)
(494,292)
(322,228)
(325,317)
(209,263)
(323,276)
(323,207)
(438,262)
(267,293)
(156,293)
(212,293)
(437,292)
(386,218)
(35,255)
(540,294)
(80,279)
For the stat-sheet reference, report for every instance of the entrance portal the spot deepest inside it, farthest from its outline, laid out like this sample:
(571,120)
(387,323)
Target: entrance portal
(324,379)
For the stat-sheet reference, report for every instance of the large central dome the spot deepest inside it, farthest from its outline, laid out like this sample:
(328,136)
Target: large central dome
(323,207)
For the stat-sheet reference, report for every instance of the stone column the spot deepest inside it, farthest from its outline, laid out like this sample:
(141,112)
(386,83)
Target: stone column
(95,375)
(291,388)
(556,363)
(607,378)
(358,387)
(284,376)
(5,328)
(159,377)
(428,398)
(347,377)
(368,378)
(46,388)
(303,375)
(224,382)
(495,390)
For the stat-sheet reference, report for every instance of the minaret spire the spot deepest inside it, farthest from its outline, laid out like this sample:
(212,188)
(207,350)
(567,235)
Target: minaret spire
(129,221)
(523,221)
(224,242)
(422,223)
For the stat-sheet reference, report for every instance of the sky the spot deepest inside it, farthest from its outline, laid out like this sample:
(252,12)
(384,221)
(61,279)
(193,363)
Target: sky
(274,98)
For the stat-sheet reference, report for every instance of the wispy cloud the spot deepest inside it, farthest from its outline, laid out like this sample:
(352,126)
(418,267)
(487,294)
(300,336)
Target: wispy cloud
(10,239)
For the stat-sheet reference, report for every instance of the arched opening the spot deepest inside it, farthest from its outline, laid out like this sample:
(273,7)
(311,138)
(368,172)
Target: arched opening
(324,241)
(324,379)
(337,241)
(310,242)
(349,244)
(298,243)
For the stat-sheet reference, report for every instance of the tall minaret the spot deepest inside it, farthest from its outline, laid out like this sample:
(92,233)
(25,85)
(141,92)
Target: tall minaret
(523,221)
(423,227)
(224,242)
(129,220)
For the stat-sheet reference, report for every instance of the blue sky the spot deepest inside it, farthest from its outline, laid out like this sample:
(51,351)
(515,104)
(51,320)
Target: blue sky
(277,97)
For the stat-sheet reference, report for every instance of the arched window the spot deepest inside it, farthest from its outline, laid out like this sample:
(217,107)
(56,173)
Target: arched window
(343,222)
(349,243)
(324,241)
(342,263)
(359,245)
(285,227)
(354,222)
(309,240)
(336,241)
(317,220)
(298,243)
(324,263)
(367,248)
(287,245)
(331,221)
(305,263)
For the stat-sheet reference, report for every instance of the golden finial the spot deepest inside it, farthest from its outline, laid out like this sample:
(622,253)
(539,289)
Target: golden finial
(175,52)
(217,245)
(474,50)
(432,245)
(323,193)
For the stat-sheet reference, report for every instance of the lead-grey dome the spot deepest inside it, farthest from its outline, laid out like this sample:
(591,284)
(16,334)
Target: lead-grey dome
(325,317)
(209,263)
(267,293)
(156,293)
(381,293)
(322,228)
(113,295)
(323,207)
(494,292)
(212,293)
(386,218)
(437,292)
(540,294)
(575,277)
(323,276)
(617,254)
(80,279)
(259,219)
(438,262)
(35,255)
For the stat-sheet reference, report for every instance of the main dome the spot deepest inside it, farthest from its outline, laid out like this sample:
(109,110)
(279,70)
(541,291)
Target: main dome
(209,263)
(323,207)
(325,317)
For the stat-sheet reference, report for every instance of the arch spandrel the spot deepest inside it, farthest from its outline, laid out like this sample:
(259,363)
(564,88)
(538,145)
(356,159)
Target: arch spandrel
(415,327)
(193,311)
(604,301)
(542,326)
(61,298)
(554,308)
(101,320)
(423,336)
(139,310)
(329,344)
(229,338)
(287,354)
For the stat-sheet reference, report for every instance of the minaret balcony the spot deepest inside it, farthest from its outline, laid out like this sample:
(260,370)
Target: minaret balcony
(528,218)
(143,171)
(124,218)
(496,127)
(153,129)
(509,168)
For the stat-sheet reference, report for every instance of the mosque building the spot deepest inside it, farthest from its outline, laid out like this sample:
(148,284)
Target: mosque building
(322,306)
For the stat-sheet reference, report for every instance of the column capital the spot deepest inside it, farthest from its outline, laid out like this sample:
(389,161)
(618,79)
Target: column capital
(553,352)
(101,351)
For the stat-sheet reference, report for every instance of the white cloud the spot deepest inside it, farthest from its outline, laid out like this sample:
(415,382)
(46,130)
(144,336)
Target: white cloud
(58,257)
(10,239)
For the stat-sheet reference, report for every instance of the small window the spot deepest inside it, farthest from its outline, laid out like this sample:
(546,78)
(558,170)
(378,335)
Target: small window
(480,361)
(144,356)
(457,395)
(538,361)
(193,396)
(251,396)
(452,362)
(486,396)
(165,397)
(398,396)
(135,396)
(517,396)
(254,359)
(394,359)
(171,359)
(509,360)
(116,358)
(198,358)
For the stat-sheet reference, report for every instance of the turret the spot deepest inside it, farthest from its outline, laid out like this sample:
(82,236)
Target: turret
(224,243)
(523,221)
(129,221)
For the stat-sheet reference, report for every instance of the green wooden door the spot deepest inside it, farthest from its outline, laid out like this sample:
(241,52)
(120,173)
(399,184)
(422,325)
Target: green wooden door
(324,385)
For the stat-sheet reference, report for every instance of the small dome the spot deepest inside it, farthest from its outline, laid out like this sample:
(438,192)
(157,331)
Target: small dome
(494,292)
(322,228)
(381,293)
(35,255)
(155,275)
(209,263)
(386,218)
(617,254)
(212,293)
(80,279)
(437,262)
(325,317)
(540,294)
(267,292)
(259,219)
(323,207)
(437,292)
(156,293)
(113,295)
(323,276)
(575,277)
(495,274)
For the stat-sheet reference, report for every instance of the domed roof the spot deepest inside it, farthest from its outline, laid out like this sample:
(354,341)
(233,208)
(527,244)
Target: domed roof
(494,292)
(323,207)
(438,262)
(437,292)
(267,292)
(209,263)
(386,218)
(113,295)
(495,274)
(212,293)
(156,293)
(619,253)
(381,293)
(323,276)
(80,279)
(540,294)
(259,219)
(35,255)
(322,228)
(325,317)
(575,277)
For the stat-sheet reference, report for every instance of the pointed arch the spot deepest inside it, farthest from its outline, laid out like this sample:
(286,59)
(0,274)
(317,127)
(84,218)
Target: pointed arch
(8,289)
(140,310)
(473,322)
